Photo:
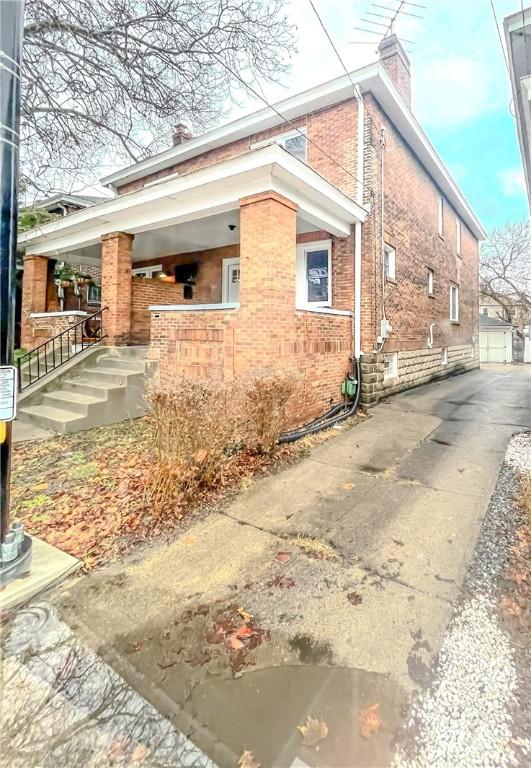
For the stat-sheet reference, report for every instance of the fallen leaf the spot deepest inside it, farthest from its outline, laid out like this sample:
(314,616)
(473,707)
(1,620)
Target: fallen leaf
(348,486)
(215,635)
(140,752)
(40,487)
(283,582)
(244,631)
(313,731)
(247,760)
(234,643)
(283,556)
(370,720)
(509,606)
(354,598)
(246,616)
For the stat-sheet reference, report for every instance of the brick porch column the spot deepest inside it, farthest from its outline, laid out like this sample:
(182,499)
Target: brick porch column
(34,291)
(268,245)
(116,260)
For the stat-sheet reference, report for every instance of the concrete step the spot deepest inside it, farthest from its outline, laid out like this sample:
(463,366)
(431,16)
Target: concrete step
(121,363)
(56,419)
(99,389)
(112,375)
(76,402)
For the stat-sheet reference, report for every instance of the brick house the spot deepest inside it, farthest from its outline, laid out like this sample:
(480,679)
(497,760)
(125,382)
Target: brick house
(301,242)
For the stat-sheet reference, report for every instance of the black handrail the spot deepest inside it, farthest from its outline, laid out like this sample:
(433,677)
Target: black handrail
(62,339)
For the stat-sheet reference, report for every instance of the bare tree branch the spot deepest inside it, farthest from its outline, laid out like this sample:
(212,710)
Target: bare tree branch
(505,267)
(105,80)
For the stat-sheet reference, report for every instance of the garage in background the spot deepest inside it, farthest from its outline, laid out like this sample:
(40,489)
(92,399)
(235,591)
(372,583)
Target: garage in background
(495,340)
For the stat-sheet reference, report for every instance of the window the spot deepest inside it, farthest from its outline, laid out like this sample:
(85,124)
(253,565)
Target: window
(485,311)
(389,262)
(454,303)
(150,272)
(440,216)
(314,270)
(444,356)
(93,294)
(390,362)
(430,282)
(293,142)
(458,236)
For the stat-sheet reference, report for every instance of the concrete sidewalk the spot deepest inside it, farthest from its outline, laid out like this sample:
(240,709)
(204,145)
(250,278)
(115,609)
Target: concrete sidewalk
(401,497)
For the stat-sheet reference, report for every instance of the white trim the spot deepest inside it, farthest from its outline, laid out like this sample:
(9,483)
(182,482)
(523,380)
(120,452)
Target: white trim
(281,138)
(458,236)
(372,78)
(357,291)
(456,318)
(225,288)
(440,216)
(214,189)
(301,292)
(431,281)
(325,310)
(390,274)
(150,269)
(191,307)
(66,313)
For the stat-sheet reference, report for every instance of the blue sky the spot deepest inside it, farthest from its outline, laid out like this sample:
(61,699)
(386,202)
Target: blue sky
(461,89)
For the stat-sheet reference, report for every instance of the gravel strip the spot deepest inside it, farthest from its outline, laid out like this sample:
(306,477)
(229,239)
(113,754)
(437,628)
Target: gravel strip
(465,718)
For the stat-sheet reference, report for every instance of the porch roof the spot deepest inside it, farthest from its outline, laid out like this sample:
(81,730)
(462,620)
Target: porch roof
(206,192)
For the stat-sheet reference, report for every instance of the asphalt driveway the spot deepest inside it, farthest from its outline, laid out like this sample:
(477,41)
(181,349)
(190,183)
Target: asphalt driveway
(400,497)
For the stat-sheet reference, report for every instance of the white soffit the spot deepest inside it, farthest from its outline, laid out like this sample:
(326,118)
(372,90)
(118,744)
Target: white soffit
(215,189)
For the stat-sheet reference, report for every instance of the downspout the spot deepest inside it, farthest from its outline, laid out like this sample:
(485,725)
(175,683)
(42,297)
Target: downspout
(357,225)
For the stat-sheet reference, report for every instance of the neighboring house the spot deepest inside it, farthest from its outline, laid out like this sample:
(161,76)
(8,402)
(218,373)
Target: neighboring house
(62,204)
(518,38)
(495,339)
(489,307)
(268,243)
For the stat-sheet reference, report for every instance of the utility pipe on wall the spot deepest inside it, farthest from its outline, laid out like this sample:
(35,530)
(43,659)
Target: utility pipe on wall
(357,225)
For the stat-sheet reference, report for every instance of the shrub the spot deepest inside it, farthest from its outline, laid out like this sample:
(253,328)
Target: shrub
(267,398)
(194,429)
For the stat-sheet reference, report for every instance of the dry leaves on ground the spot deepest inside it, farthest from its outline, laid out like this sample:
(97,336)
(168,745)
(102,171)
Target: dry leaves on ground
(370,720)
(313,731)
(247,760)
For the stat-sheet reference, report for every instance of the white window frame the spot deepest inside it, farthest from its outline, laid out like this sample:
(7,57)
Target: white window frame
(92,302)
(458,236)
(440,216)
(431,281)
(279,138)
(302,288)
(148,270)
(454,286)
(226,263)
(392,262)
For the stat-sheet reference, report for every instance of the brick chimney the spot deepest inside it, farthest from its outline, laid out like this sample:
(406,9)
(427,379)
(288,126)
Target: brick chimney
(181,133)
(395,60)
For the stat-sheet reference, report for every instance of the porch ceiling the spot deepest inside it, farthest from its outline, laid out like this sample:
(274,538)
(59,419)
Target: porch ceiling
(197,200)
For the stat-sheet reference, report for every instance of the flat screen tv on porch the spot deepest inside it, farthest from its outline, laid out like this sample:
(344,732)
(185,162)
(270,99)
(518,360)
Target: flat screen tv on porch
(186,273)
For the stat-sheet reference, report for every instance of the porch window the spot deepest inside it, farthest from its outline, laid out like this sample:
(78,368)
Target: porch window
(314,270)
(93,293)
(149,272)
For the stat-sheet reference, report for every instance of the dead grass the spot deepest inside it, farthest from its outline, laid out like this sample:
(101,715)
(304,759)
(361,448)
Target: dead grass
(316,548)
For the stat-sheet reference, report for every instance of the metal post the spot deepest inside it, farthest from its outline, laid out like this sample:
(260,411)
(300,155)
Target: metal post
(11,33)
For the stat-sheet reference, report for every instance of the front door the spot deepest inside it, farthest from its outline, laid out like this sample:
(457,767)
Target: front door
(231,281)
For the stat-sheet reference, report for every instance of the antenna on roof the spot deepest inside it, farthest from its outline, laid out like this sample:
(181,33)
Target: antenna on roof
(383,27)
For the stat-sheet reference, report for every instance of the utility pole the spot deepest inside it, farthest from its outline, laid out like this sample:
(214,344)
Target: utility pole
(12,551)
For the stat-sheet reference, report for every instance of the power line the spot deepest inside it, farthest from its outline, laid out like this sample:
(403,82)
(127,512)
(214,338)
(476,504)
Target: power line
(499,35)
(323,27)
(284,118)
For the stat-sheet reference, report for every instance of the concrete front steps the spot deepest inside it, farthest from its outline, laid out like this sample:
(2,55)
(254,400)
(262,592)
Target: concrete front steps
(105,386)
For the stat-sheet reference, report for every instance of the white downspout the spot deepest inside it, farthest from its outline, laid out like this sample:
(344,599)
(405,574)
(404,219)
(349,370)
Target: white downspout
(357,225)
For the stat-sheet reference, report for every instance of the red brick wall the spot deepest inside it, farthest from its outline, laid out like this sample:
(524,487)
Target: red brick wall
(116,258)
(145,292)
(34,295)
(411,228)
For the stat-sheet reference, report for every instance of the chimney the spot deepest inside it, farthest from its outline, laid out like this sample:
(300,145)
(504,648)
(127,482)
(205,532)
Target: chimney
(395,60)
(181,134)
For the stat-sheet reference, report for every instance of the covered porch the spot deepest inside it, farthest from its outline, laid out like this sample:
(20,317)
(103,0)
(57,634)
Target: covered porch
(247,263)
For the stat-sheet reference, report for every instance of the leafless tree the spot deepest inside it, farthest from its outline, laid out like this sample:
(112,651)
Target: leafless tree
(505,266)
(104,80)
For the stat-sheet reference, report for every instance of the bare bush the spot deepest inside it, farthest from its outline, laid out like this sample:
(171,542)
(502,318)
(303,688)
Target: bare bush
(195,425)
(268,396)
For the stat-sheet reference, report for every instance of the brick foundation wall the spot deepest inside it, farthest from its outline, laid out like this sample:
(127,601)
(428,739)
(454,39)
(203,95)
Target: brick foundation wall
(41,329)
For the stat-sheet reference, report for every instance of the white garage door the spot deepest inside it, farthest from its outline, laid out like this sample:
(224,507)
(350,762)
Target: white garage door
(495,346)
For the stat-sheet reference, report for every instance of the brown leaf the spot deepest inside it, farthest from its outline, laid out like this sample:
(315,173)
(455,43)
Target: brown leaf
(370,720)
(313,731)
(283,556)
(247,760)
(140,752)
(234,643)
(244,631)
(354,598)
(246,616)
(509,606)
(215,635)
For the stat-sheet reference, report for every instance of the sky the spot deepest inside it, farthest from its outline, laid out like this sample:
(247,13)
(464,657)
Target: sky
(460,86)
